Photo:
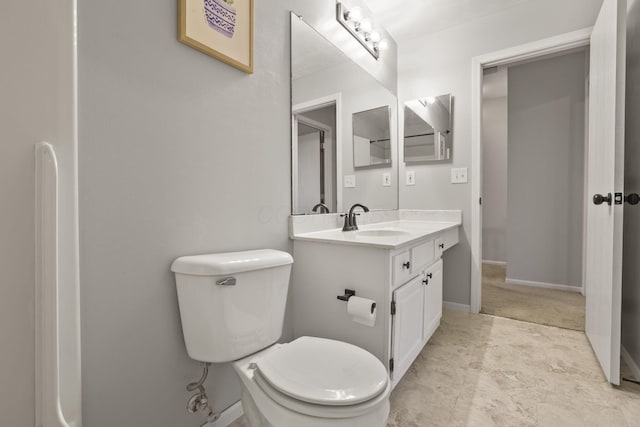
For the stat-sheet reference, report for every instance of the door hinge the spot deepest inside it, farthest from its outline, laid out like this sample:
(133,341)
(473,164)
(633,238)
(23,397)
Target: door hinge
(393,308)
(391,364)
(480,201)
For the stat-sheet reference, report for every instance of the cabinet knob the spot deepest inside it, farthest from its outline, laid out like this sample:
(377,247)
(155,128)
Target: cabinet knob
(441,245)
(406,265)
(425,282)
(430,275)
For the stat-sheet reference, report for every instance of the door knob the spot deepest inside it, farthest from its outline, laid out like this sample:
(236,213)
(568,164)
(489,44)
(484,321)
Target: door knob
(632,198)
(599,199)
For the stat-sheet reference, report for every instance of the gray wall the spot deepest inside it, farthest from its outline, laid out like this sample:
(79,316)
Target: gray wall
(179,154)
(19,133)
(441,63)
(631,266)
(494,179)
(546,170)
(36,104)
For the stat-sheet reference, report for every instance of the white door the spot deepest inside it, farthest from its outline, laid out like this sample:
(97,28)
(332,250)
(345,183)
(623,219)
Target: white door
(407,326)
(603,274)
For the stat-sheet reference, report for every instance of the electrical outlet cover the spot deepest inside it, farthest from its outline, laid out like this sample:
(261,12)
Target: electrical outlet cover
(458,175)
(349,181)
(386,179)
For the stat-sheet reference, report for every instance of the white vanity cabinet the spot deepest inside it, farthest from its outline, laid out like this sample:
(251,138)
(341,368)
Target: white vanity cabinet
(416,306)
(405,281)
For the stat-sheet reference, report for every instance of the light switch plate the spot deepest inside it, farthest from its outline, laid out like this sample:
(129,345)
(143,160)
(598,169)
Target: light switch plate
(386,179)
(458,175)
(349,181)
(411,178)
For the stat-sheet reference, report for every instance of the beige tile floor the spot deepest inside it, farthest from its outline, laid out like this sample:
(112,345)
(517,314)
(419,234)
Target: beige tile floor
(481,370)
(544,306)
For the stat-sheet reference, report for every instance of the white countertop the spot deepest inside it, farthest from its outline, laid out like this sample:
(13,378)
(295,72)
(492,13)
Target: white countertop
(399,233)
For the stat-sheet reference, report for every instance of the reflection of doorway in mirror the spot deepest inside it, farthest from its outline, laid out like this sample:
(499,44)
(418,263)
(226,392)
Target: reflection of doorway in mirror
(314,166)
(310,167)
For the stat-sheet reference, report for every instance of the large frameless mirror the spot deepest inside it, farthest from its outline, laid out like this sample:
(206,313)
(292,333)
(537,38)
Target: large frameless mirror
(344,129)
(428,129)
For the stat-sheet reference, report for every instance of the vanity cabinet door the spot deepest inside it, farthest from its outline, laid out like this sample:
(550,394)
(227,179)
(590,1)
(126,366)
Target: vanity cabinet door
(432,282)
(407,325)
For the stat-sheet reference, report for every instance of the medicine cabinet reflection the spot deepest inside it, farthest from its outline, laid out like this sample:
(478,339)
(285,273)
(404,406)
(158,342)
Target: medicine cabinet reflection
(428,129)
(371,138)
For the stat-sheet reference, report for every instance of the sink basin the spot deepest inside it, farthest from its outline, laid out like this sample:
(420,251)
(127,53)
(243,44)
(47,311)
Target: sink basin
(383,232)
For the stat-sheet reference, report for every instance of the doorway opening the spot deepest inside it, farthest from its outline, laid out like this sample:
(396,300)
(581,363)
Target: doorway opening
(316,154)
(534,117)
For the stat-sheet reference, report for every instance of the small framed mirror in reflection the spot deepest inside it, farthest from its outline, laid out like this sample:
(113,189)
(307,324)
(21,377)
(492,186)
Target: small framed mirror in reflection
(371,138)
(428,129)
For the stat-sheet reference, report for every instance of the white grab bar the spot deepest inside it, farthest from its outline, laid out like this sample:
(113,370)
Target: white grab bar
(48,407)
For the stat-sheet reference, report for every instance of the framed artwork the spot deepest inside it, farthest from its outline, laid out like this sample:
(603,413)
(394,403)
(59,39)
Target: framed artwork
(220,28)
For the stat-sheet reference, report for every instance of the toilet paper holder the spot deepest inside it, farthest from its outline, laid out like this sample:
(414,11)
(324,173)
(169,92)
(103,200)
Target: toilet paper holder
(348,293)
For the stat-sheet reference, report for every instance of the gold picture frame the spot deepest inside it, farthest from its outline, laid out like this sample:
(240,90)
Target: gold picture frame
(222,29)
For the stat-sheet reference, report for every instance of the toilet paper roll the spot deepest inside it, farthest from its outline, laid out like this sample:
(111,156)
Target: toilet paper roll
(362,310)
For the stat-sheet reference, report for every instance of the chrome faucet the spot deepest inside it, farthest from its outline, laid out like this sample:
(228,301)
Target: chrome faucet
(350,223)
(323,208)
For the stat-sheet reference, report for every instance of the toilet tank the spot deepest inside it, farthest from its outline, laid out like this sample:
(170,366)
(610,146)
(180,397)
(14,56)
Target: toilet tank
(232,304)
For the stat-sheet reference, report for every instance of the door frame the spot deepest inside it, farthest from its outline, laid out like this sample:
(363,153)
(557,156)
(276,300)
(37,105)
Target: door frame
(524,52)
(301,108)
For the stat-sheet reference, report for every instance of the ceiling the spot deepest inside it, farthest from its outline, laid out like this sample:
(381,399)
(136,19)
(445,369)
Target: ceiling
(407,19)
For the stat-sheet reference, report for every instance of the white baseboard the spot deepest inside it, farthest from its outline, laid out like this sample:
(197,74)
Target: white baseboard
(630,362)
(490,262)
(455,306)
(518,282)
(228,416)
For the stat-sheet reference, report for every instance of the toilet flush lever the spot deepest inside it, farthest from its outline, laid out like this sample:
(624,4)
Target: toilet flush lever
(227,281)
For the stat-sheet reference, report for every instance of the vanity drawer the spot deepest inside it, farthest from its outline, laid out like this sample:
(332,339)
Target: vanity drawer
(402,268)
(422,256)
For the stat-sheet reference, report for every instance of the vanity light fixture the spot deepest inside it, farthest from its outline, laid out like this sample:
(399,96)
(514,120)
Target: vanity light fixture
(361,29)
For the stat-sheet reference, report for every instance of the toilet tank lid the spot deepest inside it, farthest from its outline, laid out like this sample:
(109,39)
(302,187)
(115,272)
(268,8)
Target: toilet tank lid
(230,262)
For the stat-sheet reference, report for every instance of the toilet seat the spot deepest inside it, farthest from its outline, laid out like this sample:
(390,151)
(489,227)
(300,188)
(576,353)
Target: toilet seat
(321,411)
(316,376)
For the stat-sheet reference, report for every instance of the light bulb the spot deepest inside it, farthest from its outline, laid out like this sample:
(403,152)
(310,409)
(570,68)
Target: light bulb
(374,36)
(382,44)
(365,25)
(354,14)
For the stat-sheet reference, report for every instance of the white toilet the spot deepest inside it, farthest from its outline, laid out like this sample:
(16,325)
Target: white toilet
(232,307)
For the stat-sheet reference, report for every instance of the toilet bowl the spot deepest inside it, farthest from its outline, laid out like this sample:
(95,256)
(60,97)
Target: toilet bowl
(232,310)
(314,382)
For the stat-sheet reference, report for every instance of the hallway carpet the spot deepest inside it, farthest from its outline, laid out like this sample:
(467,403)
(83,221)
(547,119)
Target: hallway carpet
(537,305)
(480,370)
